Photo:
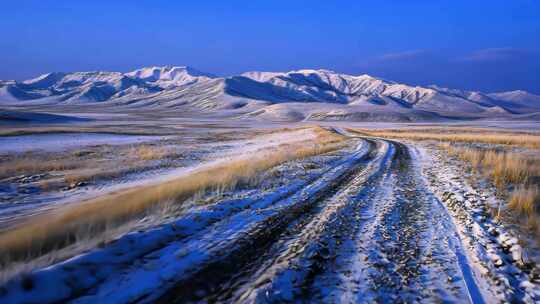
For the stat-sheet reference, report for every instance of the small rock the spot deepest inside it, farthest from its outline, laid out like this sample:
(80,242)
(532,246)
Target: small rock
(517,254)
(493,231)
(525,284)
(497,261)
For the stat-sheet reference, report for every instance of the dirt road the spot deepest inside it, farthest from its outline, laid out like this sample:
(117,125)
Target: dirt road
(375,233)
(370,228)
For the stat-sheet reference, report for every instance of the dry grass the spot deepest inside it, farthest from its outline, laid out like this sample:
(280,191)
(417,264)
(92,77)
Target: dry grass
(85,165)
(515,176)
(90,175)
(43,234)
(502,167)
(93,157)
(525,200)
(23,165)
(98,158)
(149,152)
(131,160)
(465,135)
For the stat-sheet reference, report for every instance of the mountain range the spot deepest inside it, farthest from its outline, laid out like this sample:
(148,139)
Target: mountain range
(294,95)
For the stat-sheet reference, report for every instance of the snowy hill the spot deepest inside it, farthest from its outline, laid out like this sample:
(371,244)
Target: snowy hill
(294,95)
(323,85)
(519,99)
(170,76)
(75,87)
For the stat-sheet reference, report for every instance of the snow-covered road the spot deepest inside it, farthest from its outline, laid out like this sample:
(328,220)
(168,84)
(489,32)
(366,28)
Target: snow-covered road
(370,227)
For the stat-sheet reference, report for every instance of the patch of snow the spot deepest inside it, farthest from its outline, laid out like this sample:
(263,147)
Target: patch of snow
(66,141)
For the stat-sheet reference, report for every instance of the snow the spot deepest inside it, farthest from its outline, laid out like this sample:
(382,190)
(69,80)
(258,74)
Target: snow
(170,76)
(19,207)
(190,241)
(501,276)
(425,219)
(185,87)
(522,98)
(66,141)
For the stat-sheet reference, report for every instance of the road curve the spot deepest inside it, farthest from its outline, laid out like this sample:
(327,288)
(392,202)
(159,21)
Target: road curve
(374,235)
(368,229)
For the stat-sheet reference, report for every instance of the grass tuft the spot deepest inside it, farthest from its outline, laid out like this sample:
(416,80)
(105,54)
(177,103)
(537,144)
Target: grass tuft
(525,200)
(503,168)
(148,152)
(27,164)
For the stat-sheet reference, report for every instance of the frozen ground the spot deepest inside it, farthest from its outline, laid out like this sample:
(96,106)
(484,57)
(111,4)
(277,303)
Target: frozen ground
(22,196)
(377,221)
(66,141)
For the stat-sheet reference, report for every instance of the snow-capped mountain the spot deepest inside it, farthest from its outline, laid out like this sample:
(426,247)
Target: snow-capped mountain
(76,87)
(102,86)
(170,76)
(301,94)
(343,87)
(519,99)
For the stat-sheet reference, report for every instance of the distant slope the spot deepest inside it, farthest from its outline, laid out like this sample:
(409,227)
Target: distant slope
(18,117)
(522,100)
(77,87)
(294,95)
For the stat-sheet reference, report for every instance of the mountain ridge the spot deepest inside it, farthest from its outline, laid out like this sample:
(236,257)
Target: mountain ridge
(181,86)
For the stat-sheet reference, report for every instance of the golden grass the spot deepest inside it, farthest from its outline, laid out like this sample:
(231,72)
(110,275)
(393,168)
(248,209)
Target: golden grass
(149,152)
(515,174)
(88,164)
(509,171)
(466,135)
(90,175)
(502,167)
(23,165)
(97,159)
(525,200)
(45,233)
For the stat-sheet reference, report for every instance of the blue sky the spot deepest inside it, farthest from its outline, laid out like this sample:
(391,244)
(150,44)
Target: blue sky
(485,45)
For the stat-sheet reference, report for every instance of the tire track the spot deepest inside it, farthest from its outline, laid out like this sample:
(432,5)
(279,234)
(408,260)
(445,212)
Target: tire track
(378,236)
(368,230)
(404,254)
(230,241)
(282,238)
(296,258)
(405,250)
(143,262)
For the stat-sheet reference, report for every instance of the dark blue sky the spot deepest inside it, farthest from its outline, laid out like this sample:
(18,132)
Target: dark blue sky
(486,45)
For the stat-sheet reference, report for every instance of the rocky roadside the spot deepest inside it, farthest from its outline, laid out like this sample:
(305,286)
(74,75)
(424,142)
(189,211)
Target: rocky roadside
(508,270)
